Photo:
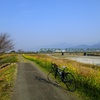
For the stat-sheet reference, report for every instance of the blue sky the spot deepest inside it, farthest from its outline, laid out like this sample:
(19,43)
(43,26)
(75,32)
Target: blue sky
(34,24)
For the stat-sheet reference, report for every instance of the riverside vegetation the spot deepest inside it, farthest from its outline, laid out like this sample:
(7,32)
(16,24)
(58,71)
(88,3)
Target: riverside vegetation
(87,76)
(7,75)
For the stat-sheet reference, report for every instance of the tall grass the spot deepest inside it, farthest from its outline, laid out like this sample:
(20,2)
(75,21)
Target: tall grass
(87,76)
(8,58)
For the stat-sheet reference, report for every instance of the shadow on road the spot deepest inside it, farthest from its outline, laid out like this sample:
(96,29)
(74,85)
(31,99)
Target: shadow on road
(48,82)
(45,81)
(41,79)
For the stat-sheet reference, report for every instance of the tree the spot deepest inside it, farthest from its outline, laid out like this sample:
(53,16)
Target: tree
(6,43)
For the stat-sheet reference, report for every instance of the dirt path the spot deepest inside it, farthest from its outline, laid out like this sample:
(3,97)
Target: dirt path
(31,84)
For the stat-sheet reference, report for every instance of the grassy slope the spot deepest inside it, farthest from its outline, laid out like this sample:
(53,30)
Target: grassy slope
(7,76)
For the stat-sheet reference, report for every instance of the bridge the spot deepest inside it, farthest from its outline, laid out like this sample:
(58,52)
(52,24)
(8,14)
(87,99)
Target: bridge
(72,51)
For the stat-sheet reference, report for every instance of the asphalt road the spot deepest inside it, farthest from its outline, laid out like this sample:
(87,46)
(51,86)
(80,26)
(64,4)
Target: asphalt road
(32,84)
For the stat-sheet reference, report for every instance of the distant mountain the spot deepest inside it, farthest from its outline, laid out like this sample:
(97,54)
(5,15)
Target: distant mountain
(83,46)
(87,46)
(96,45)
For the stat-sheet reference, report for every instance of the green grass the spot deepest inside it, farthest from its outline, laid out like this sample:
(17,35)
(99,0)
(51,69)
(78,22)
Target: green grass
(8,58)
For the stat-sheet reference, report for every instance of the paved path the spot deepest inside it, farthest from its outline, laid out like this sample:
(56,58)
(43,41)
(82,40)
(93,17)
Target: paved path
(31,84)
